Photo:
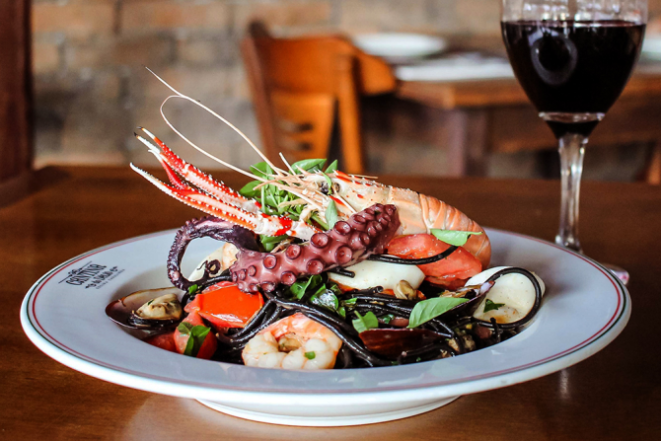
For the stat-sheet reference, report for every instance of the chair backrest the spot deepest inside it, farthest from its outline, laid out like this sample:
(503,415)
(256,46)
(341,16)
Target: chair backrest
(299,84)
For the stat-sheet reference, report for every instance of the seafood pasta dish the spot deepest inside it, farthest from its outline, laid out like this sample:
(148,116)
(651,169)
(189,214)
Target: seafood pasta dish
(319,269)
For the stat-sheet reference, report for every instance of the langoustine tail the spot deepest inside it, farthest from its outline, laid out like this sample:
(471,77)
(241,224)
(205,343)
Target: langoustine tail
(440,215)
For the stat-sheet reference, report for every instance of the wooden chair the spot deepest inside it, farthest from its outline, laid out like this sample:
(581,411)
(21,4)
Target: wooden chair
(300,84)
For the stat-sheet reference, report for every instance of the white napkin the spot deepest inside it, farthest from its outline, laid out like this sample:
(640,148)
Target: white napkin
(456,68)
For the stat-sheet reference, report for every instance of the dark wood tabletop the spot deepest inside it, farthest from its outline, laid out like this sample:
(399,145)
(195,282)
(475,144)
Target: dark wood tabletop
(614,395)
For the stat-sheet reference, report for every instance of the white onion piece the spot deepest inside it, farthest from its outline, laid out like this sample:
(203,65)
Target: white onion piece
(514,290)
(371,273)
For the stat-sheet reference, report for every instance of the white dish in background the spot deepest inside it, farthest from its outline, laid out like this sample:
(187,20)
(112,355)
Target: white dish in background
(457,67)
(400,46)
(652,47)
(583,310)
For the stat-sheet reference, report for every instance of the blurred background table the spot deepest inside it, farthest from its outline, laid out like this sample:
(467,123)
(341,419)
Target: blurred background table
(495,116)
(614,395)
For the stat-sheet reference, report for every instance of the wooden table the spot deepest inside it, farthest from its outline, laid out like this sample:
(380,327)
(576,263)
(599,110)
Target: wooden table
(615,395)
(496,116)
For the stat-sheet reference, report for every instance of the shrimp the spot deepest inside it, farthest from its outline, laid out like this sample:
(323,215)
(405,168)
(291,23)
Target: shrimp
(295,342)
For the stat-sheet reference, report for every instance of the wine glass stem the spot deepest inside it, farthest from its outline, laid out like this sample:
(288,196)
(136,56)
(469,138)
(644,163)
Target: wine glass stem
(572,149)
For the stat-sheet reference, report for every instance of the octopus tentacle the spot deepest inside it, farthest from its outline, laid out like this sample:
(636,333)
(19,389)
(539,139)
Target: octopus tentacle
(365,233)
(348,242)
(208,226)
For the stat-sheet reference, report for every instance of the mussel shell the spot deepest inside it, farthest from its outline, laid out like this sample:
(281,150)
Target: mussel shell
(391,342)
(121,311)
(469,307)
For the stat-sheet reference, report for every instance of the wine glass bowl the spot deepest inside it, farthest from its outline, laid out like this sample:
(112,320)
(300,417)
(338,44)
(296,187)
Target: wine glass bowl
(573,59)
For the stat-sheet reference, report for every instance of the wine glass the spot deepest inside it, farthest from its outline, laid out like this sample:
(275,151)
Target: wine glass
(573,58)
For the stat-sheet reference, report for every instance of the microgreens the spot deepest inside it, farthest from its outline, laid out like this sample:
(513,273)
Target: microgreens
(278,201)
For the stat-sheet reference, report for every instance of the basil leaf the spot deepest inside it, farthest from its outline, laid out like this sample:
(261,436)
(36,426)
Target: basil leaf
(184,328)
(332,167)
(428,309)
(262,169)
(363,323)
(331,214)
(307,165)
(451,237)
(491,306)
(299,288)
(325,298)
(195,340)
(342,312)
(350,301)
(310,355)
(190,347)
(192,289)
(387,318)
(248,190)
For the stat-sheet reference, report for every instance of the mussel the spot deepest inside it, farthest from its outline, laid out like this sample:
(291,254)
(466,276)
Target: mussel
(150,309)
(393,343)
(474,293)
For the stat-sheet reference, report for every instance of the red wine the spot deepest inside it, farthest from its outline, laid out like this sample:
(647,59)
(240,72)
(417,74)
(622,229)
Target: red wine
(573,66)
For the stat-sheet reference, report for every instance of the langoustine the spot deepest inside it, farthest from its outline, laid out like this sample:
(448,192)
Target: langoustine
(370,215)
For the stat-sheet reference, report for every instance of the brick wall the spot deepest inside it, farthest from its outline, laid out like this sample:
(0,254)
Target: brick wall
(91,89)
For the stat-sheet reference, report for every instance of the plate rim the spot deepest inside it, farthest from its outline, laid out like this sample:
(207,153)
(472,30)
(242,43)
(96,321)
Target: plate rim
(493,380)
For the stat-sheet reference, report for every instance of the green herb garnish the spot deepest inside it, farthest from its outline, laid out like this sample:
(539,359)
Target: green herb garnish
(331,215)
(300,287)
(192,289)
(196,336)
(491,306)
(262,169)
(451,237)
(429,309)
(248,190)
(332,167)
(365,322)
(270,242)
(310,355)
(325,298)
(387,318)
(310,165)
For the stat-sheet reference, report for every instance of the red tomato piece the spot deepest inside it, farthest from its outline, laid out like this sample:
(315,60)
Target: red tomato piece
(209,344)
(459,265)
(224,305)
(163,341)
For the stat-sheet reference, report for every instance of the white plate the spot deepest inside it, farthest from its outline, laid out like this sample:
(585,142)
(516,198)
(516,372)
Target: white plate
(584,309)
(396,46)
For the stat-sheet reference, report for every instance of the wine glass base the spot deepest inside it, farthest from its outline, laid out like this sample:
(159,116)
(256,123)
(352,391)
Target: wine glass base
(618,272)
